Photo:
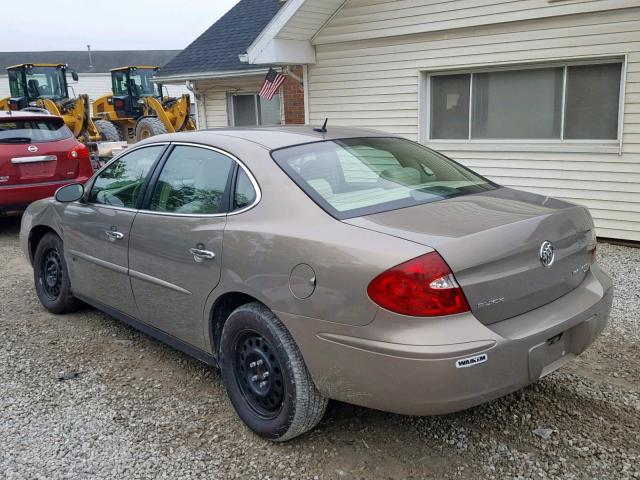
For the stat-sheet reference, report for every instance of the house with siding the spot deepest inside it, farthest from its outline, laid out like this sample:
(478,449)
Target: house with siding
(225,87)
(93,68)
(541,95)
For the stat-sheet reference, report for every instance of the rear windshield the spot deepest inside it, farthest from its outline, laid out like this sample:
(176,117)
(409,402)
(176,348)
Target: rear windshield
(361,176)
(34,130)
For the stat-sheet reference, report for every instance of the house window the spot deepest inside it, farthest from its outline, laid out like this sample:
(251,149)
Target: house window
(563,102)
(249,110)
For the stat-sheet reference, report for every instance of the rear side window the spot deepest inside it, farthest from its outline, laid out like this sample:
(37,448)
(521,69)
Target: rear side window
(245,193)
(362,176)
(36,130)
(193,181)
(120,184)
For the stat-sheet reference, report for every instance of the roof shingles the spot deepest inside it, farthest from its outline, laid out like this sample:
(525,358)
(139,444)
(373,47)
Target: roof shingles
(217,49)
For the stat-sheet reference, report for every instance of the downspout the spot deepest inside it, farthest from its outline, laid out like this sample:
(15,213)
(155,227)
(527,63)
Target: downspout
(305,88)
(201,104)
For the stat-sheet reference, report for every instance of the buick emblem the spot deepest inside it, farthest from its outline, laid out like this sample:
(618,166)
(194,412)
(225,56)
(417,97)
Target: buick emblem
(32,148)
(547,253)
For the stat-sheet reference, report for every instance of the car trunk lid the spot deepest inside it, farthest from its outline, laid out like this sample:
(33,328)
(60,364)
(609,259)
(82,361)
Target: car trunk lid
(35,150)
(492,243)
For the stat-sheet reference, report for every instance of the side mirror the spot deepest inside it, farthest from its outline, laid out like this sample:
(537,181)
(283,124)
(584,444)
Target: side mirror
(69,193)
(74,75)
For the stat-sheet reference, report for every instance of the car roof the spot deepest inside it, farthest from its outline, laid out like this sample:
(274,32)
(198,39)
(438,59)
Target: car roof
(6,115)
(270,138)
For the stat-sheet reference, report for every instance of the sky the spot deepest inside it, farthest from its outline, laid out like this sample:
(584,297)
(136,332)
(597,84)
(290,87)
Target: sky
(108,24)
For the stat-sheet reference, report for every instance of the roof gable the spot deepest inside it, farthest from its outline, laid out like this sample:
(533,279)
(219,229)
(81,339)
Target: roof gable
(217,49)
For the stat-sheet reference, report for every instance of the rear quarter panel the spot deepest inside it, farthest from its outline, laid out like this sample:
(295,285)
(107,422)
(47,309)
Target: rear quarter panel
(262,246)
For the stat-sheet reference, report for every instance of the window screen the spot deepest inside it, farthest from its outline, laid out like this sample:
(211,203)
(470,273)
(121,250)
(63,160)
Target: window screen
(251,110)
(593,93)
(531,103)
(450,106)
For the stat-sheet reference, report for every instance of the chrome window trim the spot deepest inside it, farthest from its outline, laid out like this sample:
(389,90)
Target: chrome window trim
(91,181)
(254,183)
(39,158)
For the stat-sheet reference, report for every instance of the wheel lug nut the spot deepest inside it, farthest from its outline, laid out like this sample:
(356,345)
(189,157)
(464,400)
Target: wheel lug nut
(259,362)
(252,365)
(254,378)
(262,384)
(265,375)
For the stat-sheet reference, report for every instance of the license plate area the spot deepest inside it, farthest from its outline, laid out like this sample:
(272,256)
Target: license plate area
(550,355)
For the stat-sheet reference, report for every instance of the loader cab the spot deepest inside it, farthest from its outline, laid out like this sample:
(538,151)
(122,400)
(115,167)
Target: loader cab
(31,82)
(130,86)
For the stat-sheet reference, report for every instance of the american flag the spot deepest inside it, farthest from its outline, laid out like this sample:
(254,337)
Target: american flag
(272,82)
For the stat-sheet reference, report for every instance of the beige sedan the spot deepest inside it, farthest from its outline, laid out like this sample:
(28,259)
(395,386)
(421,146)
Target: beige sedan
(344,264)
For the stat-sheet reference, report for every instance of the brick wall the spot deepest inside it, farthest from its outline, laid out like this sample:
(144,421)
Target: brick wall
(293,98)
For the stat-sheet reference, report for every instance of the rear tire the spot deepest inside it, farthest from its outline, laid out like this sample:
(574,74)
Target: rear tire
(265,375)
(51,276)
(109,131)
(149,127)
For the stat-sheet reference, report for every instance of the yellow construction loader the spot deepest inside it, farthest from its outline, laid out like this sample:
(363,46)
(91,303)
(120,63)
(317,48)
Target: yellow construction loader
(44,86)
(136,108)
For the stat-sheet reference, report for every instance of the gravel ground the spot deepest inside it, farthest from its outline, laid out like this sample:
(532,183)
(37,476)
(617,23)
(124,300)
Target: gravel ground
(83,396)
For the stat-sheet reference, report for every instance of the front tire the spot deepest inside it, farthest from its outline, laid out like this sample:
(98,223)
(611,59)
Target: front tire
(265,375)
(149,127)
(51,276)
(109,131)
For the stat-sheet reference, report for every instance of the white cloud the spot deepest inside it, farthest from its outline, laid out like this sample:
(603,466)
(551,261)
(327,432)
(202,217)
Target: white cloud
(107,24)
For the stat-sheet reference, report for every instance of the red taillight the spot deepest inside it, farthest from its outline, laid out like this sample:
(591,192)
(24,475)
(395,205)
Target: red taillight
(79,152)
(422,287)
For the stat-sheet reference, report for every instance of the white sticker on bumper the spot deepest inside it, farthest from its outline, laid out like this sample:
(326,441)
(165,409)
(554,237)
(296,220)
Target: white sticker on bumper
(472,361)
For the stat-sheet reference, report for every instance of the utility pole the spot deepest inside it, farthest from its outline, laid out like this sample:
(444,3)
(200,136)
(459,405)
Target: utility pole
(90,59)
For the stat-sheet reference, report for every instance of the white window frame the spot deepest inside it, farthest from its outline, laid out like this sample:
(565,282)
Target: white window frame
(559,144)
(231,115)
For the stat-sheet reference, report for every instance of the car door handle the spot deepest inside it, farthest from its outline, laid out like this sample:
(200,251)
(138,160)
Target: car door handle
(200,255)
(112,235)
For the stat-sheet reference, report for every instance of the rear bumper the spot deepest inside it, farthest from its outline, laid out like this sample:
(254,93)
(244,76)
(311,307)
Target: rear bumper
(16,198)
(411,366)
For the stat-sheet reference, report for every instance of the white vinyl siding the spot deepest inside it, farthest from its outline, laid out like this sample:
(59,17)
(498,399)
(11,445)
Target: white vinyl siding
(379,83)
(365,19)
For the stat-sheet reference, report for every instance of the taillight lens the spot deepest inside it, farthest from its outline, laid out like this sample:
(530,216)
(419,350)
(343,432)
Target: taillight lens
(79,152)
(422,287)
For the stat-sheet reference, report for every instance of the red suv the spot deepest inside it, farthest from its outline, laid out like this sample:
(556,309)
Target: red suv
(38,155)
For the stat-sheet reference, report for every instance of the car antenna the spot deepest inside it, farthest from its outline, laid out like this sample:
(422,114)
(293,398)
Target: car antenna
(323,129)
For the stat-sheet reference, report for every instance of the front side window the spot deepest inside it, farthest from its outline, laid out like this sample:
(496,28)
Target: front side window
(566,102)
(361,176)
(249,110)
(193,181)
(120,184)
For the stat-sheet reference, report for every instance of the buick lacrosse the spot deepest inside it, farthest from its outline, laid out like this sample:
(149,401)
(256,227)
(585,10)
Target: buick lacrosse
(311,265)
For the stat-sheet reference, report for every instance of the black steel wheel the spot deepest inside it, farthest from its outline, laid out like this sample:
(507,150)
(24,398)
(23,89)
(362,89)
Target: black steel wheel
(259,374)
(265,375)
(51,277)
(51,274)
